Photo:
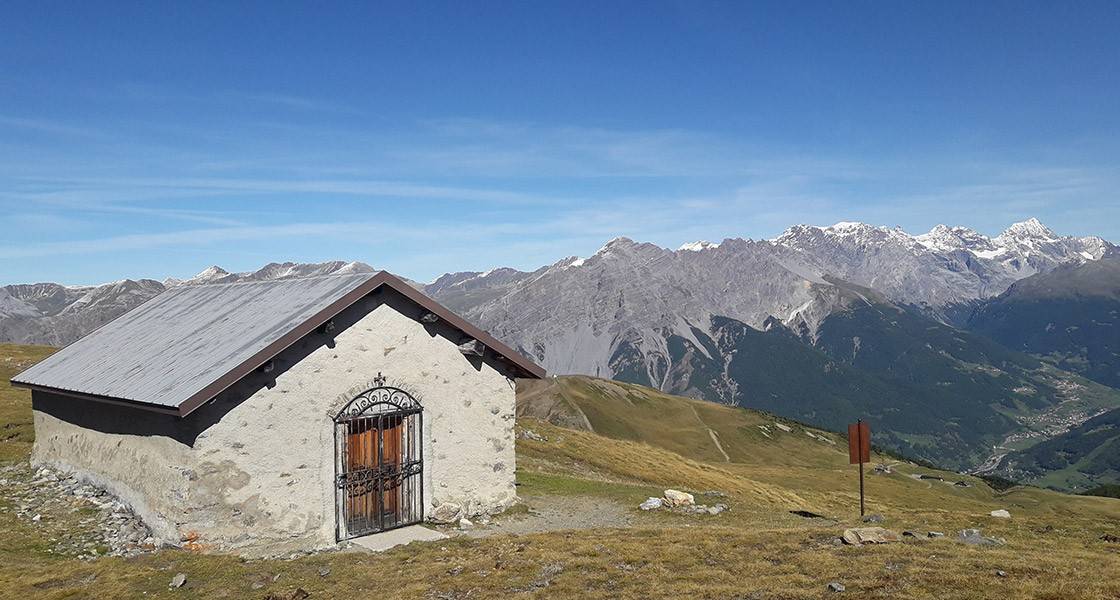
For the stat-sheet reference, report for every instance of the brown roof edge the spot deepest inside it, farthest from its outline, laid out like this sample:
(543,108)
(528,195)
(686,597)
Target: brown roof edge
(217,386)
(167,410)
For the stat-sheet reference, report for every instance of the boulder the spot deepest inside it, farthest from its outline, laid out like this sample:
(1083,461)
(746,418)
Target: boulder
(869,535)
(935,534)
(1001,514)
(465,524)
(678,498)
(882,469)
(651,504)
(873,518)
(448,512)
(836,586)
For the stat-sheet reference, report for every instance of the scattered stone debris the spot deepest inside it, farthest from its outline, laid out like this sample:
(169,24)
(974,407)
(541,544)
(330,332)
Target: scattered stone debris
(1001,514)
(1112,539)
(974,537)
(869,535)
(177,581)
(96,523)
(962,484)
(836,586)
(783,427)
(465,524)
(807,514)
(933,477)
(713,494)
(683,503)
(873,518)
(529,434)
(935,534)
(882,469)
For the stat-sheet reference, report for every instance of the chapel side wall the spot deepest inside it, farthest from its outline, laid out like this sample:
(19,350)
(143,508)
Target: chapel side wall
(133,454)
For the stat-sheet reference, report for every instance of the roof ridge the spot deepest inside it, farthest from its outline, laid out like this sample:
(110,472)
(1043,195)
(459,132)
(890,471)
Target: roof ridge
(368,274)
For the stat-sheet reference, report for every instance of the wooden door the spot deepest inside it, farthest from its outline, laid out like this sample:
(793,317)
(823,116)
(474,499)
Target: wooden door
(373,458)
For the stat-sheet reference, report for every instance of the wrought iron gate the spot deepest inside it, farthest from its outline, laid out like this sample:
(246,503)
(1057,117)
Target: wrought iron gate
(379,462)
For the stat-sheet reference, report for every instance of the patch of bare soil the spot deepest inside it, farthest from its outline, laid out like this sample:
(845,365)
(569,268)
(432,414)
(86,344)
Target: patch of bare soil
(557,513)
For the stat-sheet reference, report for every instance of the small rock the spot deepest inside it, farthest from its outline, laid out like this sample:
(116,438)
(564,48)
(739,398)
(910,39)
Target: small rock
(963,484)
(1001,573)
(910,534)
(177,581)
(715,510)
(873,518)
(257,585)
(465,524)
(882,469)
(869,535)
(37,518)
(455,571)
(678,498)
(324,572)
(935,534)
(1001,514)
(529,434)
(836,586)
(1112,539)
(651,504)
(974,537)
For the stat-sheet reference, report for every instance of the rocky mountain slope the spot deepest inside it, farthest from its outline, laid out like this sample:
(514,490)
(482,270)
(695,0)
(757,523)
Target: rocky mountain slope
(821,323)
(1069,316)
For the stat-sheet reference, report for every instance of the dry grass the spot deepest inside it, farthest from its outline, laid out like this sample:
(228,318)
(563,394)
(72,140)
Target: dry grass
(756,550)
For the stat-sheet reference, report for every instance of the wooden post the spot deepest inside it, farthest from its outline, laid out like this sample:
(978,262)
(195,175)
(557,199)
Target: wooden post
(859,430)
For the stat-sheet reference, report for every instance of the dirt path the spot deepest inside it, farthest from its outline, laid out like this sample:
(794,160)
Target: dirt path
(557,513)
(711,432)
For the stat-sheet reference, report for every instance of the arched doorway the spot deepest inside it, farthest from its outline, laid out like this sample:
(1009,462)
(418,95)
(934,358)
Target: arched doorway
(378,462)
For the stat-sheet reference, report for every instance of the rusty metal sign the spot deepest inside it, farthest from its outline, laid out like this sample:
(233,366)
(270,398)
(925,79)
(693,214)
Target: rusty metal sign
(859,443)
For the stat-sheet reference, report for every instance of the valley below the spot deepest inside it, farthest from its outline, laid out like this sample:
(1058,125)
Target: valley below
(589,451)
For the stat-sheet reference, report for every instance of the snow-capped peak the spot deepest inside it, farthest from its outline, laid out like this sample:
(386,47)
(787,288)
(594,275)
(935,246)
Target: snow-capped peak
(1032,228)
(697,246)
(211,273)
(947,239)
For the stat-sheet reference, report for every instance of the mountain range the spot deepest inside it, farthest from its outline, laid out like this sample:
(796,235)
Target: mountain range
(916,333)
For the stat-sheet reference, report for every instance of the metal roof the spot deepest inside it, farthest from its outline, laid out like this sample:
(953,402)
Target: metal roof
(183,347)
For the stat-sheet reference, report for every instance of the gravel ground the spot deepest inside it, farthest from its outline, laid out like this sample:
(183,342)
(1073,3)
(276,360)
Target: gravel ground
(76,518)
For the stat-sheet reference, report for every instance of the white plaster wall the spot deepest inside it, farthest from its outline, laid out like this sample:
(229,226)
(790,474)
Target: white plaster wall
(261,478)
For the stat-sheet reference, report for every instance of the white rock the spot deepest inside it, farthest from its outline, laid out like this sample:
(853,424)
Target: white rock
(465,524)
(678,498)
(1001,514)
(651,504)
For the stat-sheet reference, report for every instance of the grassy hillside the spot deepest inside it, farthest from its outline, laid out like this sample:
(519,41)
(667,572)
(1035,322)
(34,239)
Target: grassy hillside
(1069,317)
(623,443)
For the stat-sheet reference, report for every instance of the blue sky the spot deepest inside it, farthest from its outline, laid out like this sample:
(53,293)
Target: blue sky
(152,139)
